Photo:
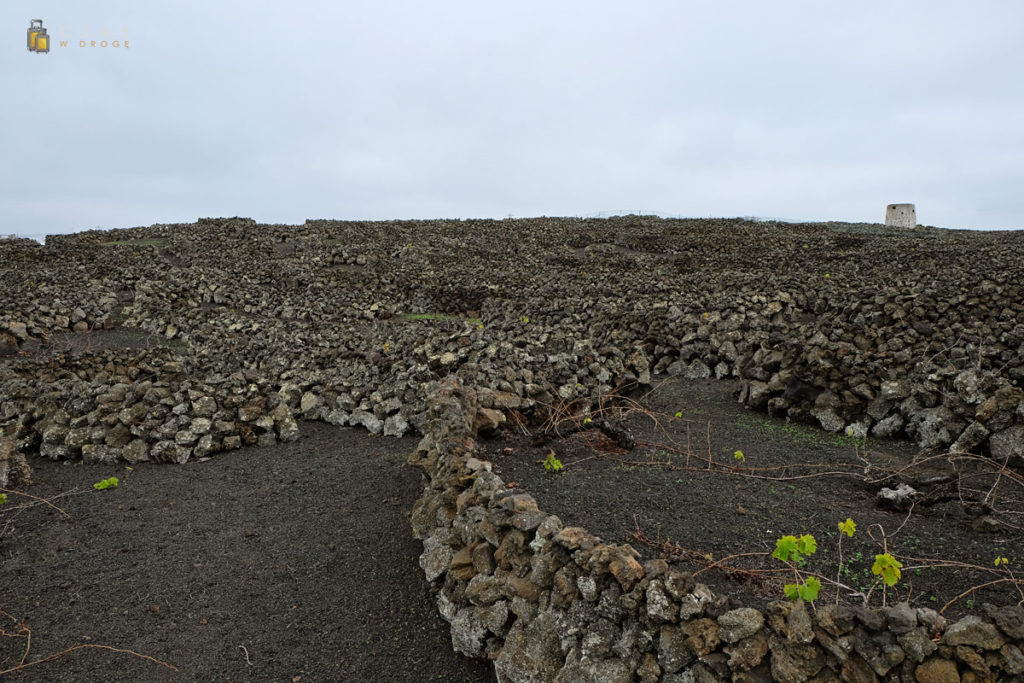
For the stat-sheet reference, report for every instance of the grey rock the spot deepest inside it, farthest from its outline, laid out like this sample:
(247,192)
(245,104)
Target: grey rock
(468,633)
(77,438)
(738,624)
(587,587)
(337,417)
(135,451)
(55,451)
(583,669)
(437,554)
(697,370)
(185,437)
(532,652)
(598,638)
(8,344)
(285,425)
(205,446)
(917,644)
(901,617)
(1013,659)
(673,652)
(309,402)
(894,390)
(264,423)
(204,406)
(932,620)
(746,653)
(100,454)
(933,427)
(879,408)
(169,451)
(373,424)
(222,427)
(118,436)
(1009,619)
(676,368)
(900,498)
(396,425)
(660,607)
(758,394)
(291,394)
(970,385)
(494,617)
(798,622)
(692,604)
(1008,443)
(19,330)
(836,620)
(793,661)
(880,650)
(970,438)
(889,427)
(973,632)
(828,419)
(55,434)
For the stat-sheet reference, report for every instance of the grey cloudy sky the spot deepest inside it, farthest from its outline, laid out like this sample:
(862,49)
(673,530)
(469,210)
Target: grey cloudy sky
(812,109)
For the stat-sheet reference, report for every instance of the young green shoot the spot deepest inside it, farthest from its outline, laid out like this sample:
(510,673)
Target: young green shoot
(848,528)
(553,464)
(105,484)
(794,552)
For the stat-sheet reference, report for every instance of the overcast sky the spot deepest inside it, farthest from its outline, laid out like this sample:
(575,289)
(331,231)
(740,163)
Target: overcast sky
(810,110)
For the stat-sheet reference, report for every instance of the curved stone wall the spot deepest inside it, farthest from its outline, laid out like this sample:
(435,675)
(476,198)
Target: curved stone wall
(549,602)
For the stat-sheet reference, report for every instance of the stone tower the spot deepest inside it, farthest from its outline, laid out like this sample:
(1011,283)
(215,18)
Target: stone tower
(901,216)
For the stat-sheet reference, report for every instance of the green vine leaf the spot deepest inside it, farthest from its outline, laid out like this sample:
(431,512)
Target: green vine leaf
(807,545)
(3,498)
(785,548)
(848,527)
(888,567)
(806,591)
(105,484)
(795,550)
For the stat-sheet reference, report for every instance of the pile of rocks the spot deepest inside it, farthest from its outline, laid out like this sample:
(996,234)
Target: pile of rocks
(843,325)
(139,406)
(555,603)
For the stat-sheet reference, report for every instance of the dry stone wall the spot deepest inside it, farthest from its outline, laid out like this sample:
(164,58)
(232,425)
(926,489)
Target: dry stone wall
(179,341)
(549,602)
(847,326)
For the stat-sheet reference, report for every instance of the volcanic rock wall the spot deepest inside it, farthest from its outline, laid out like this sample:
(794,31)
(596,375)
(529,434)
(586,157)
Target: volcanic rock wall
(851,327)
(546,602)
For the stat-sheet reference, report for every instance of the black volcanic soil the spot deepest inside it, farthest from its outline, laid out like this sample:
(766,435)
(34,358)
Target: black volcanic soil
(792,480)
(301,554)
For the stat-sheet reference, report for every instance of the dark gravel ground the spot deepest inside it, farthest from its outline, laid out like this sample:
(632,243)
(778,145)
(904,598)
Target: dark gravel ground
(777,489)
(290,563)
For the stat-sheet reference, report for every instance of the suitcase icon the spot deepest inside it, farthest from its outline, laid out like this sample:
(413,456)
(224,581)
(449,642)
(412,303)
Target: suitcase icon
(38,39)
